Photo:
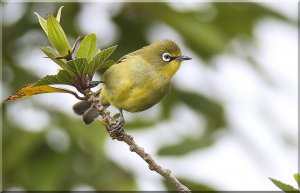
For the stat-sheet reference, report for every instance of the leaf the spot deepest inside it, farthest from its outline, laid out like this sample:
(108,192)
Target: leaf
(29,90)
(52,54)
(97,51)
(187,145)
(59,14)
(99,59)
(100,121)
(283,186)
(57,36)
(42,22)
(87,47)
(77,67)
(105,65)
(63,77)
(74,69)
(297,179)
(117,115)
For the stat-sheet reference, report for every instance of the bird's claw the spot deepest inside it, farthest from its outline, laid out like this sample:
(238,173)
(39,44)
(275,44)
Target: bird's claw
(118,127)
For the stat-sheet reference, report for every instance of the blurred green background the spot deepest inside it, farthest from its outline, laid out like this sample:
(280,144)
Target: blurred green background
(229,122)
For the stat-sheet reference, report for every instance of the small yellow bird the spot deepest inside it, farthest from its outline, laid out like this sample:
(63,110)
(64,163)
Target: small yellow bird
(137,81)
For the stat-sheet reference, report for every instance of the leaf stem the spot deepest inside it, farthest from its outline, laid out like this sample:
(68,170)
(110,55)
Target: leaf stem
(78,97)
(69,57)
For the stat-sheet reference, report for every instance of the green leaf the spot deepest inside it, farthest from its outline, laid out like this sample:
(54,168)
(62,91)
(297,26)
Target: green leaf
(105,65)
(77,67)
(283,186)
(57,36)
(52,54)
(97,51)
(63,77)
(187,145)
(42,22)
(74,69)
(297,178)
(117,115)
(87,47)
(59,14)
(97,61)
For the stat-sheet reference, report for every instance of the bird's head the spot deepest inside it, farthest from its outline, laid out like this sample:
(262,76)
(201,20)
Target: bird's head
(165,55)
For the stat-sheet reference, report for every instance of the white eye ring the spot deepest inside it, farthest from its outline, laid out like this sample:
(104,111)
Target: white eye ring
(166,57)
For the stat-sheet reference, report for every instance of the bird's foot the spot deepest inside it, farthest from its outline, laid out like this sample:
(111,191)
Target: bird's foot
(118,127)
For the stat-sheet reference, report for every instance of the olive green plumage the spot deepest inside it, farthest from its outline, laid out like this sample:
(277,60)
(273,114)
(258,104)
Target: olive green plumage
(142,78)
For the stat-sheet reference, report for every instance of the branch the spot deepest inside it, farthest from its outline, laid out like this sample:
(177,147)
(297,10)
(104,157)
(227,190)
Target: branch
(123,136)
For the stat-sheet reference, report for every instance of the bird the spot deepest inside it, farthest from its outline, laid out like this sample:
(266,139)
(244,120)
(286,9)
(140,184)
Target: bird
(137,81)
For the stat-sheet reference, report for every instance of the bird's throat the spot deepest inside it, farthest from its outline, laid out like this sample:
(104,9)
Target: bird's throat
(170,69)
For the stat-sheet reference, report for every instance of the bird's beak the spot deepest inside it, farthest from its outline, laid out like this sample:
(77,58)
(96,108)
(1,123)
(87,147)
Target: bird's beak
(181,58)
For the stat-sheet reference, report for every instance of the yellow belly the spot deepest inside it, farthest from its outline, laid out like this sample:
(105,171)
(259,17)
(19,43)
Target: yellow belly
(136,98)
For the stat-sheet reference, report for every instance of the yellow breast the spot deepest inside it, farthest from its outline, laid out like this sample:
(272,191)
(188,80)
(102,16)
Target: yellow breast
(133,85)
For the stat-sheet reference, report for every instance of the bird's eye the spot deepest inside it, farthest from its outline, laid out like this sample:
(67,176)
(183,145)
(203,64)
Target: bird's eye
(166,57)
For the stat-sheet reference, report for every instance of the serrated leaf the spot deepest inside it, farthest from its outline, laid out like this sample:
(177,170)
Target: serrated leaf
(63,77)
(105,65)
(57,36)
(99,59)
(29,90)
(87,47)
(52,54)
(59,14)
(42,22)
(297,179)
(283,186)
(77,66)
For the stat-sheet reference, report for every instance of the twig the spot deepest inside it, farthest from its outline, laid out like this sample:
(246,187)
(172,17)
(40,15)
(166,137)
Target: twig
(123,136)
